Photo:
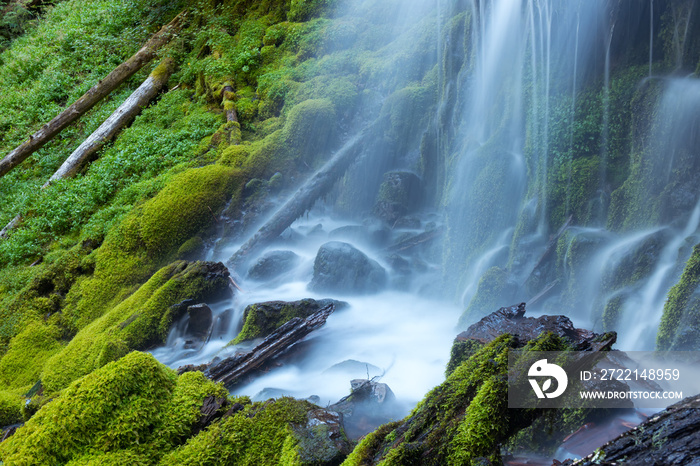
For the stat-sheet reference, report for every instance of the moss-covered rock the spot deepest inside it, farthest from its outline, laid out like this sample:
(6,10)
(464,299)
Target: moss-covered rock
(261,319)
(282,431)
(132,409)
(140,321)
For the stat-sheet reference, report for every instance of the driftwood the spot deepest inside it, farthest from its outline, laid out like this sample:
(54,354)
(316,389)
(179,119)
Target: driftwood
(93,96)
(303,200)
(119,119)
(230,370)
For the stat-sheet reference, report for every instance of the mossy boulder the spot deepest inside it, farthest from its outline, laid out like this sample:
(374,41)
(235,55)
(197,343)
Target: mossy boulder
(261,319)
(133,409)
(139,322)
(310,130)
(282,431)
(341,268)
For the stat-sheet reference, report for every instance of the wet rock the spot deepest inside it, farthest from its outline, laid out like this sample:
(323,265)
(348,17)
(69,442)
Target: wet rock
(408,223)
(200,320)
(399,194)
(273,264)
(316,231)
(341,268)
(369,405)
(261,319)
(671,437)
(512,320)
(349,233)
(322,440)
(398,264)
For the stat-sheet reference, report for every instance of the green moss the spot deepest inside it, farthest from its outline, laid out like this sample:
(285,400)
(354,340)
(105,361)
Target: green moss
(262,319)
(140,321)
(134,409)
(27,354)
(310,130)
(259,434)
(10,408)
(303,10)
(677,311)
(191,249)
(460,352)
(370,444)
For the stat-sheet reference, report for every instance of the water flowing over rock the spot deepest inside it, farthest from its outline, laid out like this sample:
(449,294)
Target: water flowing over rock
(341,268)
(369,405)
(273,264)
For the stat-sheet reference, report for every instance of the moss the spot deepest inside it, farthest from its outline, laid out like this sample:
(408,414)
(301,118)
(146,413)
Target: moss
(460,352)
(368,447)
(261,433)
(10,408)
(677,310)
(27,354)
(261,319)
(234,155)
(191,249)
(133,409)
(310,130)
(140,321)
(149,236)
(303,10)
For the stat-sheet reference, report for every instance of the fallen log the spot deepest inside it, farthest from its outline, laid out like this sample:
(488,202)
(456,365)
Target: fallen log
(99,91)
(121,117)
(232,369)
(303,200)
(417,240)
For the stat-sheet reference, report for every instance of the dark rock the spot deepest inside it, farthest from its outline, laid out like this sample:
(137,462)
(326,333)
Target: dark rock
(199,324)
(273,264)
(261,319)
(399,194)
(511,320)
(369,405)
(212,409)
(398,264)
(341,268)
(316,231)
(671,437)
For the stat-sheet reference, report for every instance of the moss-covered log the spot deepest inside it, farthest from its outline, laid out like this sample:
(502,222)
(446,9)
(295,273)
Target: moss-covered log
(98,92)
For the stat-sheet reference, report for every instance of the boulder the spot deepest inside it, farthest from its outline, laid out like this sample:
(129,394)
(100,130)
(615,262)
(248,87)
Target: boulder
(199,323)
(341,268)
(399,194)
(273,264)
(261,319)
(369,405)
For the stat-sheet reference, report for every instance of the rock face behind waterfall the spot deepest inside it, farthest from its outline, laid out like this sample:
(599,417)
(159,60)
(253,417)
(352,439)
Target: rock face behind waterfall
(341,268)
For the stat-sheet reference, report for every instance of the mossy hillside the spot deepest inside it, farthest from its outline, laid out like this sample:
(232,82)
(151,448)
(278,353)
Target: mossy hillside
(141,320)
(133,408)
(149,237)
(680,322)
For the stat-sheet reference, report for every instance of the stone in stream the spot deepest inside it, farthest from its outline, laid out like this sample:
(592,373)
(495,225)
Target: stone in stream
(341,268)
(272,264)
(199,323)
(369,405)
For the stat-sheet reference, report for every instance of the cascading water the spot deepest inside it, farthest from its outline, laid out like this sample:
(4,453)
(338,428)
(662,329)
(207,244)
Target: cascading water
(511,119)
